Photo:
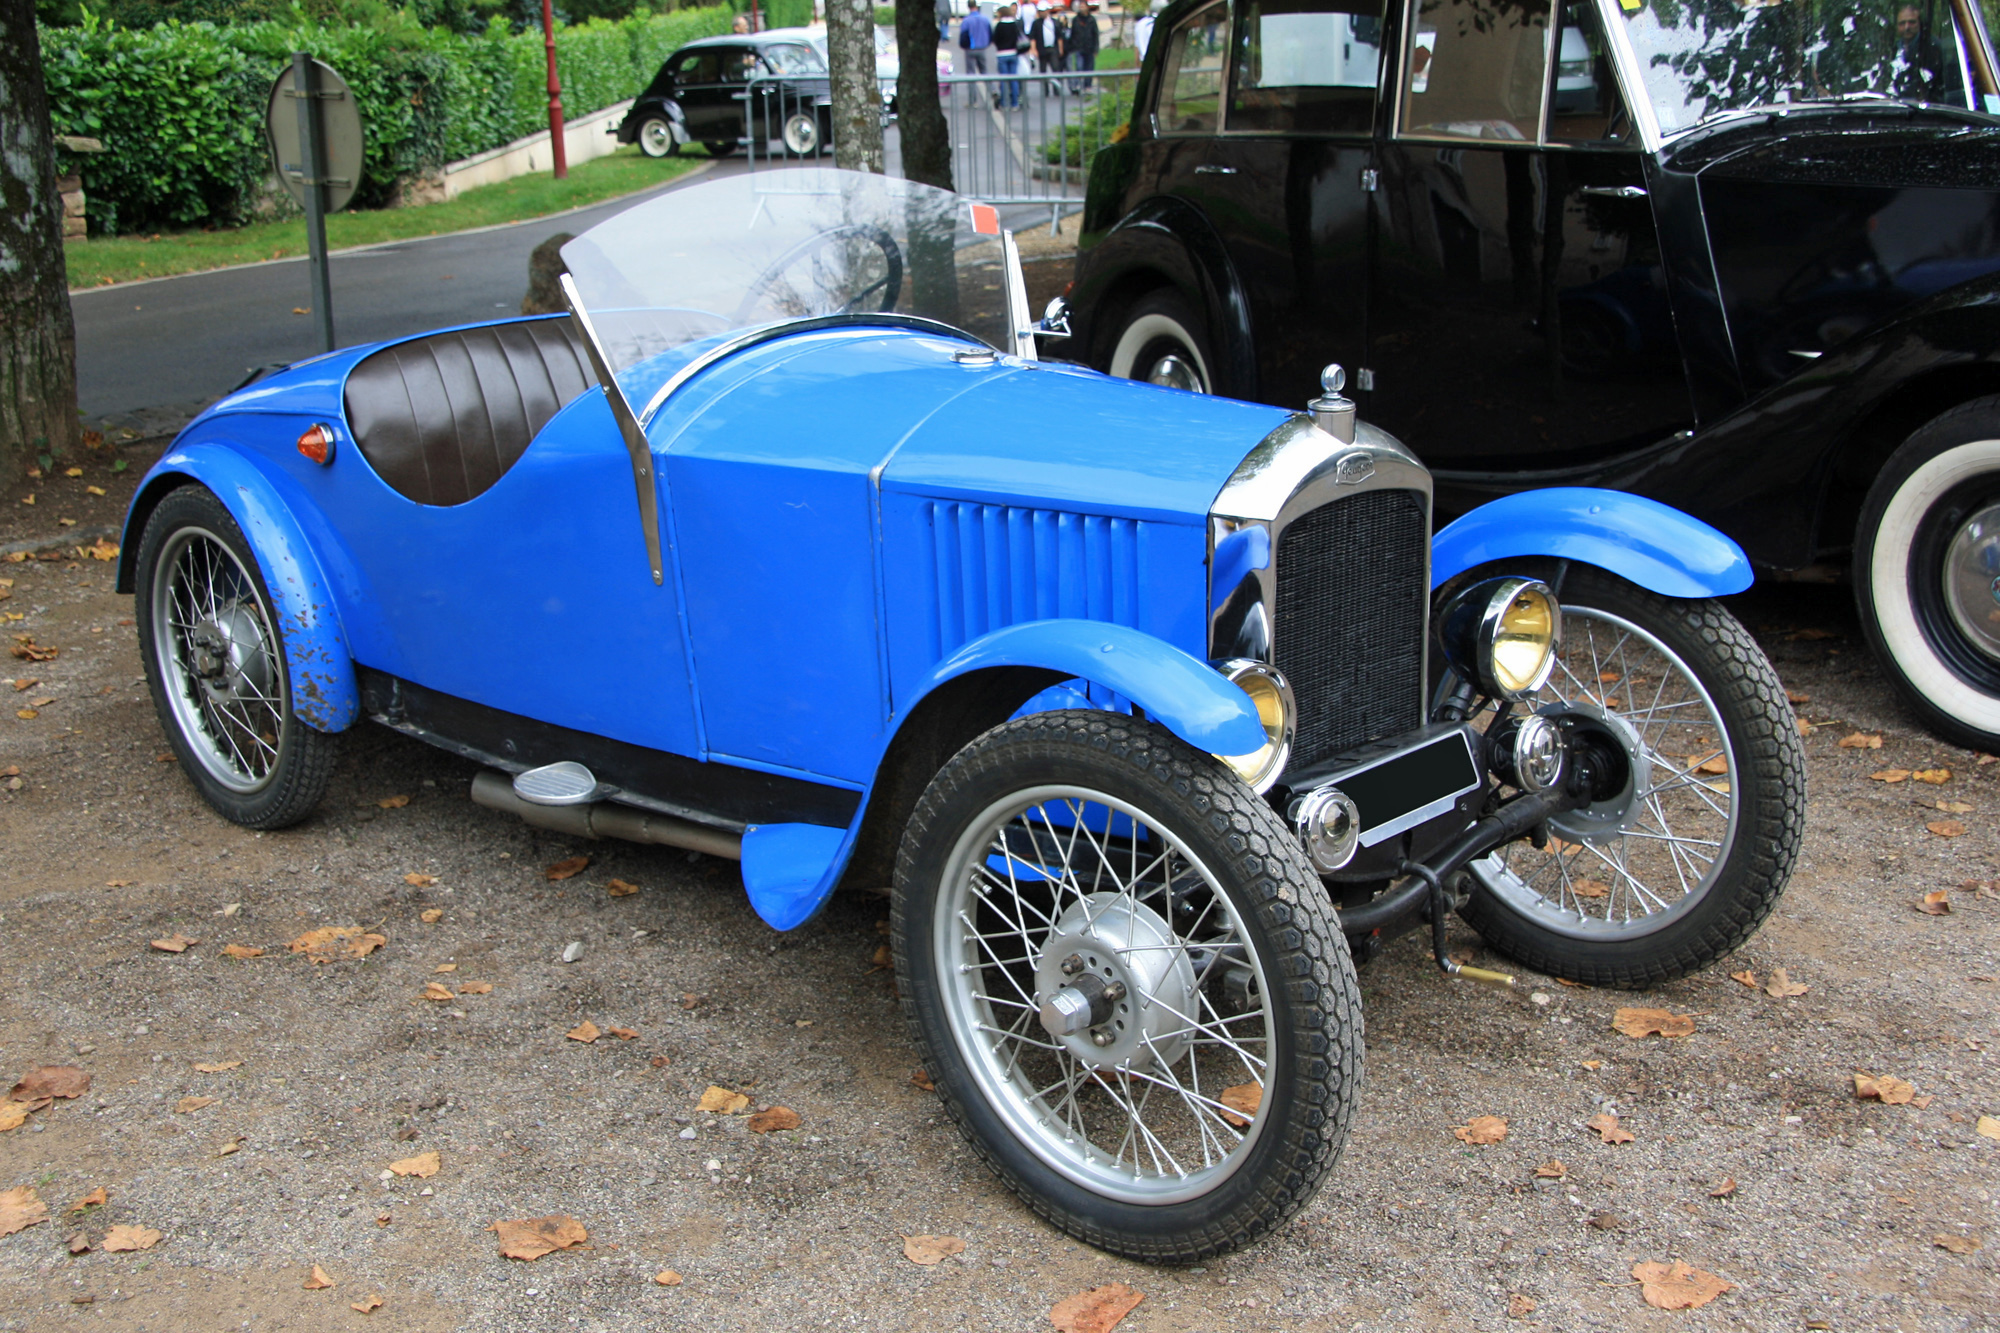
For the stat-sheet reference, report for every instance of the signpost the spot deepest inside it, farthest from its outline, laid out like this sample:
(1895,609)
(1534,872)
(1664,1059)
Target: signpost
(556,143)
(314,128)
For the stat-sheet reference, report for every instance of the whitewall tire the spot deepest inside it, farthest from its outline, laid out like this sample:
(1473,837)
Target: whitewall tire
(1160,343)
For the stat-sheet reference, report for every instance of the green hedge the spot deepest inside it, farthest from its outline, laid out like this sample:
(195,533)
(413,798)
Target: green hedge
(180,107)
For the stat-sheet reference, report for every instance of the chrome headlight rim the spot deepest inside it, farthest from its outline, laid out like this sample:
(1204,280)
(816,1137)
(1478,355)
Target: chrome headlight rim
(1472,628)
(1277,750)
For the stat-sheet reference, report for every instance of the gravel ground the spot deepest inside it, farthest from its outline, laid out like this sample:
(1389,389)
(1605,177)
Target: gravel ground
(344,1069)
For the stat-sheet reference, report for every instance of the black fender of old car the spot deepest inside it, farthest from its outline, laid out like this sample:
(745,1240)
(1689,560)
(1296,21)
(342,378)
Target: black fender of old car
(649,105)
(1165,242)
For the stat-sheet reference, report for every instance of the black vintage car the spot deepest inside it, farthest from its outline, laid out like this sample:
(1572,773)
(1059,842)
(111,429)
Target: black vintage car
(1743,258)
(702,91)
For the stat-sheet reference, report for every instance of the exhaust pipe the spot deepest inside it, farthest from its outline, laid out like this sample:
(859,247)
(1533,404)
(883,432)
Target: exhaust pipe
(606,819)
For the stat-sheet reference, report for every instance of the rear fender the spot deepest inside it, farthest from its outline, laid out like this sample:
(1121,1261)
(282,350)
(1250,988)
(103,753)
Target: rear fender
(324,694)
(1655,546)
(1165,242)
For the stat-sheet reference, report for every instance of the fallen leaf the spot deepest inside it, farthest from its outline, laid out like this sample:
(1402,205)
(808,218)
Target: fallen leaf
(475,988)
(396,802)
(667,1277)
(618,888)
(1887,1089)
(1783,987)
(79,1244)
(1796,697)
(419,881)
(690,1000)
(320,945)
(623,1034)
(49,1081)
(433,991)
(920,1079)
(26,714)
(189,1105)
(1589,888)
(1605,1124)
(1860,741)
(175,943)
(774,1118)
(1643,1022)
(1745,977)
(20,1209)
(585,1032)
(1946,828)
(1606,1220)
(366,1305)
(1553,1169)
(41,703)
(660,1062)
(423,1166)
(102,549)
(13,1115)
(233,1146)
(383,1219)
(1937,777)
(1713,762)
(1519,1306)
(445,967)
(1890,775)
(1955,807)
(1678,1286)
(1242,1100)
(882,960)
(1987,1127)
(1805,728)
(95,1199)
(241,951)
(1095,1311)
(217,1067)
(317,1280)
(928,1250)
(131,1238)
(1725,1189)
(430,916)
(1956,1244)
(1813,634)
(94,490)
(1482,1129)
(565,869)
(721,1101)
(532,1237)
(1935,903)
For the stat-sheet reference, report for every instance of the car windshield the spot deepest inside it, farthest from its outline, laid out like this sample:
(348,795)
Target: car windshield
(1700,58)
(676,274)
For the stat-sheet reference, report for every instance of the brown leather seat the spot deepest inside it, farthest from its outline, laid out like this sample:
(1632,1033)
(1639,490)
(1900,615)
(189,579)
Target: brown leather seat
(441,418)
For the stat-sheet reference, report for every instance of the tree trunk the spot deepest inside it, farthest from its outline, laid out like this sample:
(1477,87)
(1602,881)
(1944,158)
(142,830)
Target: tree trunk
(857,99)
(926,139)
(37,337)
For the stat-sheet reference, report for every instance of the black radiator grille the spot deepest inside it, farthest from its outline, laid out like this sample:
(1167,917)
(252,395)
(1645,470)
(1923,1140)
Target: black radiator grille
(1351,615)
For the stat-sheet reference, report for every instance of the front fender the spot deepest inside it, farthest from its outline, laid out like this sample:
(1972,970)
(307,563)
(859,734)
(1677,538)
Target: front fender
(1655,546)
(324,694)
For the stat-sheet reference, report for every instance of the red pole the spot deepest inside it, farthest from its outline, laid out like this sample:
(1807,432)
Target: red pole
(555,95)
(756,20)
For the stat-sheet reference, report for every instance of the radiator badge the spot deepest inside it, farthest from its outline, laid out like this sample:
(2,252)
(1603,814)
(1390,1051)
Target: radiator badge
(1354,469)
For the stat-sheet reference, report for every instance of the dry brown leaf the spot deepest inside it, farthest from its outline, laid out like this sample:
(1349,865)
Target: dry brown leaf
(585,1032)
(565,869)
(1482,1129)
(1946,828)
(423,1166)
(475,988)
(1242,1100)
(175,943)
(667,1277)
(774,1118)
(96,1198)
(131,1238)
(317,1280)
(445,967)
(1095,1311)
(1519,1306)
(20,1209)
(1725,1189)
(1890,775)
(928,1250)
(623,1034)
(1935,903)
(882,960)
(1937,777)
(79,1244)
(39,1085)
(532,1237)
(430,916)
(1987,1127)
(721,1101)
(14,1114)
(433,991)
(1605,1125)
(1956,1244)
(1553,1169)
(1884,1088)
(1805,728)
(690,1000)
(920,1079)
(1745,977)
(1797,697)
(418,880)
(1678,1286)
(1860,741)
(1589,888)
(241,951)
(1955,807)
(119,883)
(189,1105)
(1783,987)
(396,802)
(366,1305)
(234,1145)
(618,888)
(323,944)
(1644,1022)
(1713,762)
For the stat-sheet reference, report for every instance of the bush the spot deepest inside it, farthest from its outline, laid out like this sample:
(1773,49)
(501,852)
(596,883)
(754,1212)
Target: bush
(180,107)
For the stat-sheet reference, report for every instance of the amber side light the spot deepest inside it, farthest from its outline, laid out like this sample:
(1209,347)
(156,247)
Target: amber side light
(317,444)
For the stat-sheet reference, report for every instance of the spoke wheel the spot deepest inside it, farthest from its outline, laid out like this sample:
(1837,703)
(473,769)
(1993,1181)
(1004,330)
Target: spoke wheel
(217,668)
(1149,1030)
(1687,848)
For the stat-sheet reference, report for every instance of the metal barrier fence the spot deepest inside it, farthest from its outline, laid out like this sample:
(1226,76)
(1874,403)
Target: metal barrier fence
(1015,138)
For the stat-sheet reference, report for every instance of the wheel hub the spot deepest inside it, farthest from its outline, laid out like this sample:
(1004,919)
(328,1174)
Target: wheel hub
(1624,773)
(1972,580)
(227,656)
(1114,986)
(1173,371)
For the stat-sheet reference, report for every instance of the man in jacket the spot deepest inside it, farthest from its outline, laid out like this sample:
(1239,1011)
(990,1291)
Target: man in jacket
(1083,44)
(1051,44)
(975,38)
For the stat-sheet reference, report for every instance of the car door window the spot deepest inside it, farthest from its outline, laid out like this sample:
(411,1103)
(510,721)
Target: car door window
(1306,65)
(739,63)
(696,67)
(1475,69)
(1191,78)
(1584,102)
(792,59)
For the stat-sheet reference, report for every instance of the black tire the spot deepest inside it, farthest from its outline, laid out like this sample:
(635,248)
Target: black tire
(1244,868)
(720,147)
(1752,811)
(1159,339)
(655,137)
(222,687)
(1926,553)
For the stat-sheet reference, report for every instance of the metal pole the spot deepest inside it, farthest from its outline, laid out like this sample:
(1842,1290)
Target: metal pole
(556,144)
(312,147)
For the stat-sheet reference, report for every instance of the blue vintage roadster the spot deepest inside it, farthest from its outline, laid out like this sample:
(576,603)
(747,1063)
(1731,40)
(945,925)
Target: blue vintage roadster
(1155,709)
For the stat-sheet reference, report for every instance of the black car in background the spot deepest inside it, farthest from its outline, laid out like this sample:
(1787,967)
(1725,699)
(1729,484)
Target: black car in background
(702,90)
(1744,259)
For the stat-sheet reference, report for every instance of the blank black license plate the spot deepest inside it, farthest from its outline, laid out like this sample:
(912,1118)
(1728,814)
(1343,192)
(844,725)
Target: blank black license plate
(1402,790)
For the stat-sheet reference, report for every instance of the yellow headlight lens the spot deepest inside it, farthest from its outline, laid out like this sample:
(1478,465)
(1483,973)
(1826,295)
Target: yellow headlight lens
(1524,642)
(1272,700)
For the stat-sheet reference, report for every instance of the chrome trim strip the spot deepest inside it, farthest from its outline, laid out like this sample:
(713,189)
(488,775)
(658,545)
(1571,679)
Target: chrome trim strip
(1020,327)
(1409,819)
(629,426)
(1631,81)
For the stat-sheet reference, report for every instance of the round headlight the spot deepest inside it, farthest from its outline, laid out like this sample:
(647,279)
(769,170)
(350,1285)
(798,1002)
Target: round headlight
(1272,697)
(1502,634)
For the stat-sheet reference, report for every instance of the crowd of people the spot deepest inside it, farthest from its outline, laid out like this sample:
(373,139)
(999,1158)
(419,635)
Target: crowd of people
(1050,36)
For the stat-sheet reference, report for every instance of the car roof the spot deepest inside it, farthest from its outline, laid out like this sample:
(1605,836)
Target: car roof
(777,37)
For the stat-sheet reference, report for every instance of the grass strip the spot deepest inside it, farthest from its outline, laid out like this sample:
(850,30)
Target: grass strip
(107,259)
